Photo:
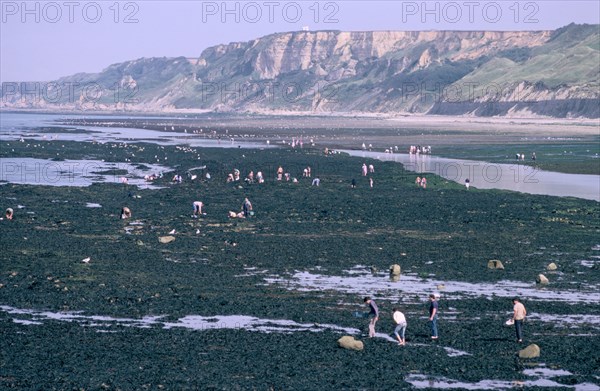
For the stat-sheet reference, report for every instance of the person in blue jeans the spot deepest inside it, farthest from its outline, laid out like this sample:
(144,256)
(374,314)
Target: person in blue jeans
(373,315)
(400,321)
(433,315)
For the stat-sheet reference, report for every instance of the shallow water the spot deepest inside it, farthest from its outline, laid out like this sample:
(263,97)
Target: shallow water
(15,126)
(422,381)
(79,173)
(483,175)
(194,322)
(360,281)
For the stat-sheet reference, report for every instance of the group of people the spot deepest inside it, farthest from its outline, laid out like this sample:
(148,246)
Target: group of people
(519,313)
(521,156)
(417,149)
(421,182)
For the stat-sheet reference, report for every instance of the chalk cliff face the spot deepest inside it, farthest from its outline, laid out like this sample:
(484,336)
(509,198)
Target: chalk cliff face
(551,73)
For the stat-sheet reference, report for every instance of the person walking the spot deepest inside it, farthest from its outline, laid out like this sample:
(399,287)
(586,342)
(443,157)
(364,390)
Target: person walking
(519,313)
(373,314)
(433,315)
(400,329)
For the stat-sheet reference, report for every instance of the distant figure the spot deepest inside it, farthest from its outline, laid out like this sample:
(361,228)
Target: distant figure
(316,182)
(233,215)
(364,146)
(259,177)
(373,314)
(305,173)
(125,213)
(424,183)
(353,183)
(197,205)
(246,207)
(9,213)
(371,183)
(207,176)
(533,156)
(280,173)
(418,181)
(400,329)
(518,156)
(309,171)
(124,180)
(364,169)
(519,314)
(433,316)
(371,168)
(467,183)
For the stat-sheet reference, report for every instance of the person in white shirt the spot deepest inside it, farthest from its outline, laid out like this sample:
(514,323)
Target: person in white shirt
(400,326)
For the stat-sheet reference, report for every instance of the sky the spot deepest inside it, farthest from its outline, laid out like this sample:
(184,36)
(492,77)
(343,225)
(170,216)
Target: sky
(45,40)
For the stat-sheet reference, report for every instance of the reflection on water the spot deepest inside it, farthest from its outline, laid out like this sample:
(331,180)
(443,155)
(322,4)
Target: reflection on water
(482,175)
(362,282)
(193,322)
(15,126)
(79,173)
(423,381)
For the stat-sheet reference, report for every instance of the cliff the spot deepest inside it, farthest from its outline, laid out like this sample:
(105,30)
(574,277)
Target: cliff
(549,73)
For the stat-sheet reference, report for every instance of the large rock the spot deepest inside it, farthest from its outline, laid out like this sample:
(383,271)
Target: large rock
(541,279)
(166,239)
(495,264)
(348,342)
(531,351)
(552,267)
(395,270)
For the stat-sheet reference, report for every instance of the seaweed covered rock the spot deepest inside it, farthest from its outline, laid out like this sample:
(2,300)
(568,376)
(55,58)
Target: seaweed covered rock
(541,279)
(395,270)
(348,342)
(495,264)
(552,267)
(531,351)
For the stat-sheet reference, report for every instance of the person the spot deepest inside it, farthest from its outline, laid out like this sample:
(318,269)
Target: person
(246,207)
(519,314)
(259,177)
(433,315)
(467,183)
(371,183)
(418,181)
(533,157)
(308,169)
(353,184)
(9,213)
(424,183)
(197,208)
(400,329)
(125,213)
(280,173)
(372,168)
(364,169)
(373,314)
(316,182)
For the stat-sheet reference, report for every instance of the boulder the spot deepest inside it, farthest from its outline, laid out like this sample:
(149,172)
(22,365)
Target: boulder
(495,264)
(348,342)
(395,270)
(541,279)
(166,239)
(552,266)
(531,351)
